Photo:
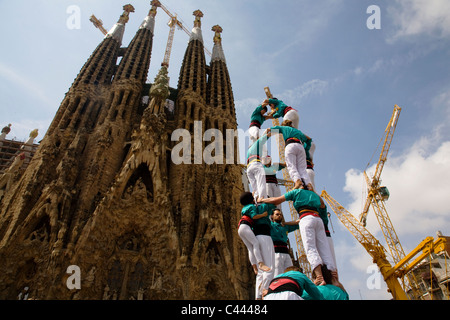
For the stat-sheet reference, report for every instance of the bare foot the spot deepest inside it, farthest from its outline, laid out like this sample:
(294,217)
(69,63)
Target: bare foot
(263,267)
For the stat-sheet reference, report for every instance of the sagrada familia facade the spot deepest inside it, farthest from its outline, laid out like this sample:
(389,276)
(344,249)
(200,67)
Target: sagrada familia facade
(102,196)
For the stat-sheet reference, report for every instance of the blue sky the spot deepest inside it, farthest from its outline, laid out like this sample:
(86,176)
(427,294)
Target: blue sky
(316,55)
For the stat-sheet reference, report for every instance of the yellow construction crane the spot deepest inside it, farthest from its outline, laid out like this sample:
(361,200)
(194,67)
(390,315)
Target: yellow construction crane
(98,24)
(377,194)
(173,22)
(287,182)
(391,274)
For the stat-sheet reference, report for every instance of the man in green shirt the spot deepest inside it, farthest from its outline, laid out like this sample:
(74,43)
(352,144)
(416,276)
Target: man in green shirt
(256,120)
(280,109)
(279,233)
(294,153)
(255,170)
(292,285)
(317,248)
(262,229)
(334,290)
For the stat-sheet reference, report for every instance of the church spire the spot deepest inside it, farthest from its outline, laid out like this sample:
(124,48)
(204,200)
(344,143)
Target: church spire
(149,21)
(192,73)
(219,93)
(118,29)
(197,30)
(217,54)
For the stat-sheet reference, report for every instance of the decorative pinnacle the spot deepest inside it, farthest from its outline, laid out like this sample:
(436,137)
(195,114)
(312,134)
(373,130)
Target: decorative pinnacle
(217,31)
(125,15)
(198,14)
(155,4)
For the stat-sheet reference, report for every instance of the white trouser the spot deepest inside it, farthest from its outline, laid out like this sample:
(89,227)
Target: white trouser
(296,162)
(311,150)
(257,177)
(282,261)
(311,172)
(333,253)
(273,191)
(293,116)
(250,241)
(316,243)
(263,278)
(284,295)
(311,175)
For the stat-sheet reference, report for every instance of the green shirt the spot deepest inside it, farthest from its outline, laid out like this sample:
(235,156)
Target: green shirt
(249,210)
(329,292)
(303,281)
(289,132)
(279,232)
(257,147)
(261,208)
(257,116)
(303,198)
(279,107)
(272,170)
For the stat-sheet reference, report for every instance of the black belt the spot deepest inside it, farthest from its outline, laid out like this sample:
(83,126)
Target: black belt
(255,124)
(271,178)
(280,247)
(292,140)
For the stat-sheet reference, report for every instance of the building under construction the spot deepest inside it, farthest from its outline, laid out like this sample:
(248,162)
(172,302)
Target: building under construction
(102,194)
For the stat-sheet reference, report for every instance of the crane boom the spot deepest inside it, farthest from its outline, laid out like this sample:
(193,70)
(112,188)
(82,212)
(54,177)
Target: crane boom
(374,184)
(177,22)
(98,24)
(370,243)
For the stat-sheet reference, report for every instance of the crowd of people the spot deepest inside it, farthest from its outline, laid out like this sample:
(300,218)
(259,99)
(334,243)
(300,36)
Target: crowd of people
(262,227)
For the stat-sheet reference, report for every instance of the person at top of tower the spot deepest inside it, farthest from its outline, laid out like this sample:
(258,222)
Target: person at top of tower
(255,169)
(249,213)
(312,230)
(279,233)
(294,152)
(280,109)
(256,120)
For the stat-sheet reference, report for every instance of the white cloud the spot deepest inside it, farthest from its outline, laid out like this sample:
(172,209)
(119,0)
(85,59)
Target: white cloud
(294,96)
(419,189)
(421,17)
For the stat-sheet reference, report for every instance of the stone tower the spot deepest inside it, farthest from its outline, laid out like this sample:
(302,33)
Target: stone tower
(102,194)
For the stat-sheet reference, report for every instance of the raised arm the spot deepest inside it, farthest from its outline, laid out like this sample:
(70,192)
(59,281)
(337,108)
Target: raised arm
(273,200)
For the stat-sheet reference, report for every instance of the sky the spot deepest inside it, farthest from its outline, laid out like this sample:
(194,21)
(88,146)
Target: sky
(342,66)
